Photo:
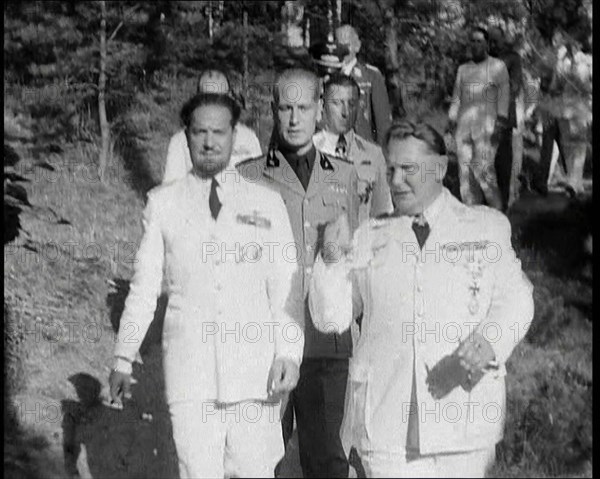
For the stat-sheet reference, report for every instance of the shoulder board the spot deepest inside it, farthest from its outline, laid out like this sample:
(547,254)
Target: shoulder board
(248,161)
(363,143)
(372,67)
(381,221)
(251,167)
(327,158)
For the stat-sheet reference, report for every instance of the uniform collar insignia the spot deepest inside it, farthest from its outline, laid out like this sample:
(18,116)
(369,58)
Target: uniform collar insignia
(325,163)
(272,160)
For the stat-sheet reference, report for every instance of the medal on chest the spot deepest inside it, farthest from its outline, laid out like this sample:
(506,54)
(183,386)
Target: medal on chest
(475,268)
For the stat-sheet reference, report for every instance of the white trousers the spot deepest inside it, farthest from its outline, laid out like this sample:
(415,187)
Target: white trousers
(216,440)
(463,464)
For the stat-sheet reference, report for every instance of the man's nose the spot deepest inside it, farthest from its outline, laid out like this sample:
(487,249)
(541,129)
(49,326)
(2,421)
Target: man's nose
(209,142)
(398,178)
(294,116)
(345,110)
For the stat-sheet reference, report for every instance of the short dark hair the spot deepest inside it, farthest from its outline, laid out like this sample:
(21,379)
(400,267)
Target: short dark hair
(340,79)
(481,30)
(421,131)
(205,99)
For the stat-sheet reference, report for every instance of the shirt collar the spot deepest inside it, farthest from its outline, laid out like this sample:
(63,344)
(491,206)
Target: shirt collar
(328,141)
(293,158)
(347,69)
(226,180)
(432,212)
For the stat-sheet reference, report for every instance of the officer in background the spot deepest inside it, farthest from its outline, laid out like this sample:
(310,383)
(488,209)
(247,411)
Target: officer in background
(374,113)
(509,156)
(316,189)
(340,106)
(479,117)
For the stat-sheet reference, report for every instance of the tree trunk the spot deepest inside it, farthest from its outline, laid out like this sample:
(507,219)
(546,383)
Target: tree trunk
(210,23)
(393,65)
(104,126)
(245,56)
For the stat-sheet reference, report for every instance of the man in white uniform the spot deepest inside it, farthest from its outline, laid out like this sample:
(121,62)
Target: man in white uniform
(479,115)
(338,139)
(444,303)
(245,143)
(231,349)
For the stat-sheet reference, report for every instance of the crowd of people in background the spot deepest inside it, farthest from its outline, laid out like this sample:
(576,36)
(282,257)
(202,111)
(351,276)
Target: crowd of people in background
(362,268)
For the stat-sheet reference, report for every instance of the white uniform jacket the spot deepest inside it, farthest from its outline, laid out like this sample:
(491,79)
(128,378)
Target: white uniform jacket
(228,285)
(418,305)
(179,161)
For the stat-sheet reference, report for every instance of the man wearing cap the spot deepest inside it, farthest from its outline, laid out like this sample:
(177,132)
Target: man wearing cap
(245,145)
(329,58)
(374,112)
(316,189)
(337,138)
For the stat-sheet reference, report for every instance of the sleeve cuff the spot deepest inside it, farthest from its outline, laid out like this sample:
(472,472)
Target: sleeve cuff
(122,365)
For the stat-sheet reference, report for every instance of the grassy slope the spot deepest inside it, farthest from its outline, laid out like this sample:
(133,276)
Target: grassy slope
(549,382)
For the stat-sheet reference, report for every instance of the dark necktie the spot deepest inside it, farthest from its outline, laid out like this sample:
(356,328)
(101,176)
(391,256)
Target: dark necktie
(341,147)
(213,199)
(303,171)
(421,229)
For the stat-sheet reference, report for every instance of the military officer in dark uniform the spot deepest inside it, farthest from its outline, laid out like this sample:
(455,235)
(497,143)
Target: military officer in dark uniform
(375,115)
(316,188)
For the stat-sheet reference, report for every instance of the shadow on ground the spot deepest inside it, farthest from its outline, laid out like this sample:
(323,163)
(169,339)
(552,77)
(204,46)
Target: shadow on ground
(102,442)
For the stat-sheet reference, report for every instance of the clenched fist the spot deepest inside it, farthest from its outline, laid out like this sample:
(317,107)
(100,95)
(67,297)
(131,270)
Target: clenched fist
(337,240)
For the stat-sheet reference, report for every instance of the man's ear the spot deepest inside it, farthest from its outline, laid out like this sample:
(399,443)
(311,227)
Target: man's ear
(234,134)
(443,167)
(319,110)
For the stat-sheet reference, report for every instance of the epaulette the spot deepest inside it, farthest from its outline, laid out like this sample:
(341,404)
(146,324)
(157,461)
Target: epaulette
(373,67)
(381,220)
(333,158)
(251,168)
(249,161)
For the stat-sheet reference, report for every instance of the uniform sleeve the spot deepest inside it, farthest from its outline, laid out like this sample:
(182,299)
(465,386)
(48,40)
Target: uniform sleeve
(380,103)
(254,145)
(333,296)
(455,106)
(503,90)
(178,158)
(289,331)
(145,285)
(382,198)
(511,310)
